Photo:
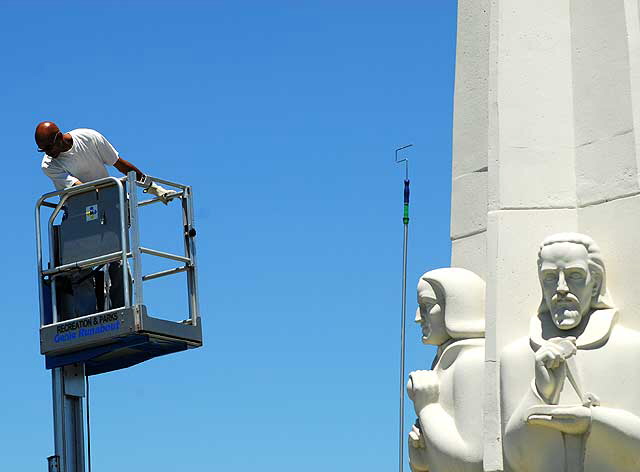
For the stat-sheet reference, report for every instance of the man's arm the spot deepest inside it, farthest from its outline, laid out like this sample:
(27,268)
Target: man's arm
(125,167)
(151,187)
(61,179)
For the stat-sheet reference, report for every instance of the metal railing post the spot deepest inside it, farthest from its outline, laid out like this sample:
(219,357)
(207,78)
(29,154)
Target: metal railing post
(135,238)
(123,238)
(54,305)
(39,259)
(190,252)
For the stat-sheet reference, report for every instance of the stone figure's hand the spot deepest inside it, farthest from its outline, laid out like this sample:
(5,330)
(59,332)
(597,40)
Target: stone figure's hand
(551,368)
(418,460)
(416,440)
(423,388)
(566,419)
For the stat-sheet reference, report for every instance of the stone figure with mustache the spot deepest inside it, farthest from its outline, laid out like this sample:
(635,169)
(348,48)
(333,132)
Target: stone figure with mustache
(569,396)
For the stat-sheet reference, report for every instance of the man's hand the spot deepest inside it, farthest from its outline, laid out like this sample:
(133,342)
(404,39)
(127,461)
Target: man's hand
(551,368)
(423,388)
(566,419)
(165,195)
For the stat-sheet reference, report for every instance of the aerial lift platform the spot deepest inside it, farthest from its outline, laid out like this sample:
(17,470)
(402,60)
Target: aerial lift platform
(93,235)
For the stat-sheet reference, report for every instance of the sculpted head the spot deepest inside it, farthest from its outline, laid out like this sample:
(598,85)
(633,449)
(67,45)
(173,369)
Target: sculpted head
(430,315)
(573,279)
(450,305)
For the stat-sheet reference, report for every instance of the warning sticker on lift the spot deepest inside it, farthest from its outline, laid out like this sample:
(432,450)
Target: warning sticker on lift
(91,212)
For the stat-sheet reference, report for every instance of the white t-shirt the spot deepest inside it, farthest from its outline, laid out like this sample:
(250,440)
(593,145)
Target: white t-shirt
(84,162)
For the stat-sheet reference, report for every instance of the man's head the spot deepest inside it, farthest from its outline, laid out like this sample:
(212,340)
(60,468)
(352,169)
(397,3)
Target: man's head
(572,277)
(50,139)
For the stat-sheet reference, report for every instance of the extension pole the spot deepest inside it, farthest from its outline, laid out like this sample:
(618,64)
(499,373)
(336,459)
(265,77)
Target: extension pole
(405,222)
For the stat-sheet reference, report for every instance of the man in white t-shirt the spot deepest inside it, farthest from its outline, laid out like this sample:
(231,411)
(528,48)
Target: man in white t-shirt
(80,156)
(73,158)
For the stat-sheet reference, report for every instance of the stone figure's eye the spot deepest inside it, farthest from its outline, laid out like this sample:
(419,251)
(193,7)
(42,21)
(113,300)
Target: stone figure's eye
(425,309)
(576,275)
(550,278)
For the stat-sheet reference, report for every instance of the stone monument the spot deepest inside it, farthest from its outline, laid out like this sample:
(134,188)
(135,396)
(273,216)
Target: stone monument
(545,163)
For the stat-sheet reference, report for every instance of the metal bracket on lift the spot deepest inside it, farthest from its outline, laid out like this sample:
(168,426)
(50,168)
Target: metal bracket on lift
(54,463)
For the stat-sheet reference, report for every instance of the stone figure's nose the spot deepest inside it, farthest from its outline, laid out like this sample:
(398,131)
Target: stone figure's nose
(562,284)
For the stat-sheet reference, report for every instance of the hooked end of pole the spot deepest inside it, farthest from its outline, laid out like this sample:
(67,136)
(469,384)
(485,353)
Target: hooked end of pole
(405,160)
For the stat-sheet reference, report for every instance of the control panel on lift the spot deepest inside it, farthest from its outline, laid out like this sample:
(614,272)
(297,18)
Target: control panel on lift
(92,306)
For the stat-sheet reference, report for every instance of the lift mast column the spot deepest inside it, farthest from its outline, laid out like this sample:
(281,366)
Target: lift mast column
(68,419)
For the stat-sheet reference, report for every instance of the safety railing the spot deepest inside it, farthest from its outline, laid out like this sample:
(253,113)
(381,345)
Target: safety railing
(130,249)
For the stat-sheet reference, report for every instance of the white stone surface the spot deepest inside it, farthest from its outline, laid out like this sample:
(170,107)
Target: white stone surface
(470,253)
(606,165)
(596,182)
(470,106)
(470,131)
(600,62)
(600,68)
(535,178)
(533,126)
(469,204)
(632,17)
(491,427)
(616,226)
(552,89)
(447,435)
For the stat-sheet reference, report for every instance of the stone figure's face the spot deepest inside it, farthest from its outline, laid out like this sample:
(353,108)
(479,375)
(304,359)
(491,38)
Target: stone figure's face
(567,283)
(431,318)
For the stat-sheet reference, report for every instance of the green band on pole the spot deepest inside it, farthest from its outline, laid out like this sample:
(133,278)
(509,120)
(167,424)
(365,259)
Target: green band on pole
(405,218)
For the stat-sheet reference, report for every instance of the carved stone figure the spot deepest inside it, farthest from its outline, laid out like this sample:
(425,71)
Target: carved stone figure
(447,399)
(570,391)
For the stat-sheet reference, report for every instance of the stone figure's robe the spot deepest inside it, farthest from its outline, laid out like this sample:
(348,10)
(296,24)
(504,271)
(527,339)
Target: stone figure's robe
(608,360)
(452,427)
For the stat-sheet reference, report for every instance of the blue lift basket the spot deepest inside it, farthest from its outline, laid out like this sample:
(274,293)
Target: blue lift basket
(94,244)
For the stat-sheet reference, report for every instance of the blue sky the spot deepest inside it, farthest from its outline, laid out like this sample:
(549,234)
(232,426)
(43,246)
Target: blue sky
(283,116)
